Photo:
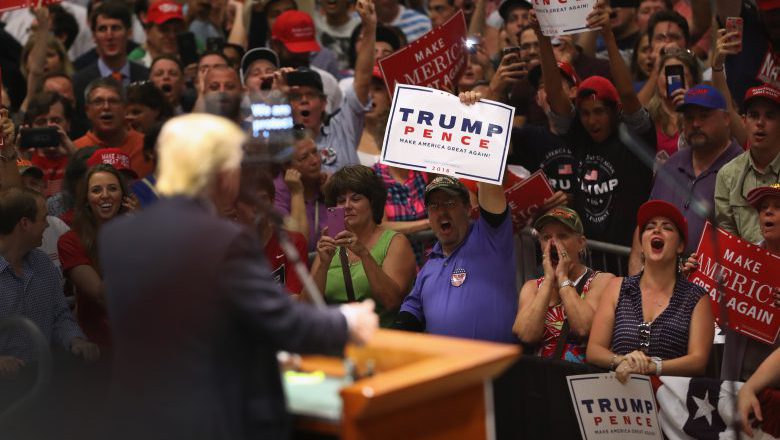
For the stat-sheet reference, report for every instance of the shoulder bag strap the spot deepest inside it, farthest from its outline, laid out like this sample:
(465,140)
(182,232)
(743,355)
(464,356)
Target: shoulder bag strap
(346,273)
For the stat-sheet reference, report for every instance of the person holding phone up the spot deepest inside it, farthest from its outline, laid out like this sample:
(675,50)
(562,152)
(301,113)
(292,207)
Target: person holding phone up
(357,258)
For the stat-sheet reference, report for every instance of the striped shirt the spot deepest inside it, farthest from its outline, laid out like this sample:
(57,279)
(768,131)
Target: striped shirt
(36,295)
(412,23)
(668,332)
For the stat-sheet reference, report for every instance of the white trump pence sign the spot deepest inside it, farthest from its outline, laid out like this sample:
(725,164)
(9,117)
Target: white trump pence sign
(430,130)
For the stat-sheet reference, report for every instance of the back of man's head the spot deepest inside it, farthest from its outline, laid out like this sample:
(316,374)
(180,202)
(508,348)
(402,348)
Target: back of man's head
(16,203)
(193,149)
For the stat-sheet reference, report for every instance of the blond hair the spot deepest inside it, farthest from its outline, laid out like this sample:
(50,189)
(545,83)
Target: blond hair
(192,149)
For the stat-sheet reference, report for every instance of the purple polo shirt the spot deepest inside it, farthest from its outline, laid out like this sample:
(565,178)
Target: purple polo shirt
(702,188)
(282,204)
(472,293)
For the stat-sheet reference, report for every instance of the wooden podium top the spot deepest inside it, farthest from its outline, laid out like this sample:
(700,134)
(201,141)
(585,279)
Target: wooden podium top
(412,367)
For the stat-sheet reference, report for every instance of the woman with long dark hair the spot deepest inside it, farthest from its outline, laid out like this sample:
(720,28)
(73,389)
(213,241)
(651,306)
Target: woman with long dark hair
(103,198)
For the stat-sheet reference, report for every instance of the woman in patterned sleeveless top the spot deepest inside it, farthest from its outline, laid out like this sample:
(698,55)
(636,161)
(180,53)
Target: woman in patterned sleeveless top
(656,322)
(556,311)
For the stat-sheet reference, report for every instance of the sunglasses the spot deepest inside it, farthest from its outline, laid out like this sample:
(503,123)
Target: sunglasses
(644,337)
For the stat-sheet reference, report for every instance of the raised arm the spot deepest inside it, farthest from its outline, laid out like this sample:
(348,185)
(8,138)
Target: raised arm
(553,82)
(364,64)
(621,76)
(727,44)
(477,24)
(37,57)
(702,18)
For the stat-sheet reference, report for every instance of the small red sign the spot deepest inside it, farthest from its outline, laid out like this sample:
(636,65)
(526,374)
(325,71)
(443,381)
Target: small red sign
(435,60)
(10,5)
(748,276)
(524,197)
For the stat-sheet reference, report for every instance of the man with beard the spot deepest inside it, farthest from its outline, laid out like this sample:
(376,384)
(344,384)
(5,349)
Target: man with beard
(687,179)
(106,106)
(467,287)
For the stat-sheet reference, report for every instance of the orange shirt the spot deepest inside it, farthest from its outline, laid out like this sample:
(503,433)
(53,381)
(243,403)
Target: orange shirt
(133,146)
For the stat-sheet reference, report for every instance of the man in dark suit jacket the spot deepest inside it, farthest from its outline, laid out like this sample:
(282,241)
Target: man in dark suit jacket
(111,25)
(195,317)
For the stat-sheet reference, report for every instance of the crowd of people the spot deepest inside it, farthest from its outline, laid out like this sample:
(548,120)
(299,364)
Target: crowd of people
(662,117)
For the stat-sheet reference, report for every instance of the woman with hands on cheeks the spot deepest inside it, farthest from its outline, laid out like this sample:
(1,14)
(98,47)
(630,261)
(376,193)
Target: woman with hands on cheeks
(556,311)
(375,262)
(656,322)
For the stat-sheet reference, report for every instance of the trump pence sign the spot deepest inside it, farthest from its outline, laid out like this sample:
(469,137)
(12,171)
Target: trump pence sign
(430,130)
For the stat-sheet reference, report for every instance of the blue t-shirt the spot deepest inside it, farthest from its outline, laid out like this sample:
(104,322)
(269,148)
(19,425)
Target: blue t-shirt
(144,190)
(472,293)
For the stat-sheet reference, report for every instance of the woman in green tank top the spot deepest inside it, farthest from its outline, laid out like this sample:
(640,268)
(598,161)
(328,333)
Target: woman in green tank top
(365,260)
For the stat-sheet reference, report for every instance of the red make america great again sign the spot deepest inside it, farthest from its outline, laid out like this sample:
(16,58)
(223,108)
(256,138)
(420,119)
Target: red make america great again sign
(435,60)
(748,276)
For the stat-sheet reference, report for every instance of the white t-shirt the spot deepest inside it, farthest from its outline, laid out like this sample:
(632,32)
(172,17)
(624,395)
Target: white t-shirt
(51,236)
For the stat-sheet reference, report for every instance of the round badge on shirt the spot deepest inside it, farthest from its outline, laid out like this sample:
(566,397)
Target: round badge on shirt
(458,277)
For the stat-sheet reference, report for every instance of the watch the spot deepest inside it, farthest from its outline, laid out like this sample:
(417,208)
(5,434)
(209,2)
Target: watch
(565,283)
(658,364)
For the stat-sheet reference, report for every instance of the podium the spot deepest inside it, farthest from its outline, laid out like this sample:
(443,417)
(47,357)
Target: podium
(424,387)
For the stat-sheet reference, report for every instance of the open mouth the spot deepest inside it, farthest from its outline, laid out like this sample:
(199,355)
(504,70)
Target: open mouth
(657,244)
(554,258)
(769,224)
(106,117)
(445,226)
(166,88)
(106,207)
(305,113)
(759,136)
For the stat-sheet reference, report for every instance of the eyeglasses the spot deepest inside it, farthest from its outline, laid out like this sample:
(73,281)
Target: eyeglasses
(449,204)
(644,337)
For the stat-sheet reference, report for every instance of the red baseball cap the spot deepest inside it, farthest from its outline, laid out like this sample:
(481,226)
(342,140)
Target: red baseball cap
(377,73)
(567,70)
(755,195)
(762,91)
(114,157)
(660,208)
(162,11)
(601,87)
(295,29)
(768,5)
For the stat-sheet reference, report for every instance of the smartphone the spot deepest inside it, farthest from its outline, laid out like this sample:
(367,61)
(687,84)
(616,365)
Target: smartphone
(675,78)
(335,221)
(472,44)
(39,137)
(188,49)
(511,49)
(735,24)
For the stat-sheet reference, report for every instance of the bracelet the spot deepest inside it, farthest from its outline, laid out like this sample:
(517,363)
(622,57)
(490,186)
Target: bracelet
(658,364)
(717,69)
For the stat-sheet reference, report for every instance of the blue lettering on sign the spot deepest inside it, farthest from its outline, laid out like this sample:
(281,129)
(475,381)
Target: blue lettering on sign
(620,404)
(448,122)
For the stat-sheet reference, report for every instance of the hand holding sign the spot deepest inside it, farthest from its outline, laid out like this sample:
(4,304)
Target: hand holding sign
(748,283)
(599,18)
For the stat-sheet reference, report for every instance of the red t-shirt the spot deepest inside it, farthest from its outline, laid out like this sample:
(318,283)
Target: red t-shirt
(53,172)
(90,315)
(281,270)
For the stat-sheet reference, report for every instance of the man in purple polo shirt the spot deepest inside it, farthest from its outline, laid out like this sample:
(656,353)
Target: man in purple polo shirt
(467,288)
(687,179)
